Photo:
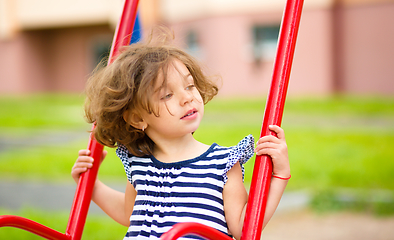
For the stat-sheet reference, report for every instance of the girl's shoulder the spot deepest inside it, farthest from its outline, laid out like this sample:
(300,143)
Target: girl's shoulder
(127,159)
(123,153)
(244,150)
(241,153)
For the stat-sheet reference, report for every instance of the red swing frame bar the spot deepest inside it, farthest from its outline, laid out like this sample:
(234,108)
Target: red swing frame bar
(262,172)
(84,190)
(263,165)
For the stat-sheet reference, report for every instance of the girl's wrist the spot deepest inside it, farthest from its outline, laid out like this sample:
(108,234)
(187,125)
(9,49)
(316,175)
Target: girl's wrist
(282,177)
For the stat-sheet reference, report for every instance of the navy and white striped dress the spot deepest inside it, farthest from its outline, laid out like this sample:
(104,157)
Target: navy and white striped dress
(185,191)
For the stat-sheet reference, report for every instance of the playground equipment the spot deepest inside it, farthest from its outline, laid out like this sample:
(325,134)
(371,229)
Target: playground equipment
(262,172)
(273,112)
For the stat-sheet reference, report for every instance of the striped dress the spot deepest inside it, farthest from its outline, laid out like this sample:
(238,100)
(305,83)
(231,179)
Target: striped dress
(185,191)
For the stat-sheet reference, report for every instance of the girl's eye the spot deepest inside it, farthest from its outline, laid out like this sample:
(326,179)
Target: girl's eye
(167,96)
(190,87)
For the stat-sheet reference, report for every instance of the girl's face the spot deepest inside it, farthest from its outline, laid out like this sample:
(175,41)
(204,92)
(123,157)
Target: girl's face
(179,104)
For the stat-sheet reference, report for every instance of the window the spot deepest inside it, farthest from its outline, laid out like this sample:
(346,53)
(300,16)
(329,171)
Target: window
(192,44)
(265,41)
(101,46)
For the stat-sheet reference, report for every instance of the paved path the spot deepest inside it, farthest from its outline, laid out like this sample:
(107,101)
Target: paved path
(49,197)
(15,195)
(9,139)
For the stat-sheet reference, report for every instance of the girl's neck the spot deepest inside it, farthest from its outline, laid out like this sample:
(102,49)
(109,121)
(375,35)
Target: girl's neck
(176,150)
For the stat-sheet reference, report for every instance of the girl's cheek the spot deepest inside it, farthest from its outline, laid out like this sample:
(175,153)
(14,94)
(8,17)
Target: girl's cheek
(197,96)
(167,108)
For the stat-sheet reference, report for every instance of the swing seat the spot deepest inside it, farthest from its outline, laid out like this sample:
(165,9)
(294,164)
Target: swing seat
(262,172)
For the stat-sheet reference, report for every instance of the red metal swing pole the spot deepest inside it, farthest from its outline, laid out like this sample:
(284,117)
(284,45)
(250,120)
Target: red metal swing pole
(86,182)
(83,195)
(262,171)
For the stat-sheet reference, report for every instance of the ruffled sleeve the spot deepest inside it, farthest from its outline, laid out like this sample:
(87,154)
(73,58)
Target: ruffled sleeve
(241,153)
(123,154)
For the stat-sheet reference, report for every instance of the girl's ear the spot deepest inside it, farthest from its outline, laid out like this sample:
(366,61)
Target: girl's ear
(134,119)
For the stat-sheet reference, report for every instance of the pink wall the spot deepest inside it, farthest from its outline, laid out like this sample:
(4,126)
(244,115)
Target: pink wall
(11,76)
(349,50)
(368,49)
(312,72)
(226,50)
(57,60)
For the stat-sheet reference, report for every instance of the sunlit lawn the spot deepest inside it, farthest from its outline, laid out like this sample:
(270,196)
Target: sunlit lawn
(340,142)
(97,226)
(333,142)
(344,142)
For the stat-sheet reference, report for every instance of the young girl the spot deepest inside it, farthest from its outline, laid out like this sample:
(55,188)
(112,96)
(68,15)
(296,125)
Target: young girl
(148,103)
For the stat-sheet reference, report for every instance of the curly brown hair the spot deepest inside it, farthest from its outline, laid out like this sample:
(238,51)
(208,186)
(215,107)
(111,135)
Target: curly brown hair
(128,83)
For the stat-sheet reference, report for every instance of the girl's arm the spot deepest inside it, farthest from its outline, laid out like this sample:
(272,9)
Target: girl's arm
(276,147)
(115,204)
(277,188)
(235,198)
(234,193)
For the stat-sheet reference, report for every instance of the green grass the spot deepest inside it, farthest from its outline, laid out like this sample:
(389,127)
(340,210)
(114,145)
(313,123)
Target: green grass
(377,202)
(41,111)
(97,226)
(53,164)
(338,142)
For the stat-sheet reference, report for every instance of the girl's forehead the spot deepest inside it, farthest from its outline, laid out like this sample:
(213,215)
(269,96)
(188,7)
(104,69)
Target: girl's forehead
(179,68)
(174,70)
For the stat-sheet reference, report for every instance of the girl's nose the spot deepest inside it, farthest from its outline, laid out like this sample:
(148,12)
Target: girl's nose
(187,97)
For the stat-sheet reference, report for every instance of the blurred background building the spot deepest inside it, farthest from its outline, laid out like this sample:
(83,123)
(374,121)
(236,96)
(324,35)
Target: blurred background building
(344,46)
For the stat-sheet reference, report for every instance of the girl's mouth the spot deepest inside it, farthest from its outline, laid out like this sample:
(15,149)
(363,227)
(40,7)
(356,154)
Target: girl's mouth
(190,114)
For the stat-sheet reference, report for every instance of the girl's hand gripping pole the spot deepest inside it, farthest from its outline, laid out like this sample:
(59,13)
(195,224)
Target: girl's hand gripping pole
(261,179)
(86,182)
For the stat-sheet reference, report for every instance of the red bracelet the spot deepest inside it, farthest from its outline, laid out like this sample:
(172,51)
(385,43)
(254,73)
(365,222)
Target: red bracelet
(281,177)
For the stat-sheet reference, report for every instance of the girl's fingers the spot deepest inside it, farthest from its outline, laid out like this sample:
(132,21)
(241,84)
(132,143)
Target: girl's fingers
(275,139)
(83,163)
(80,167)
(84,159)
(278,130)
(272,145)
(77,171)
(84,152)
(268,138)
(266,151)
(276,148)
(272,149)
(86,164)
(265,145)
(84,156)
